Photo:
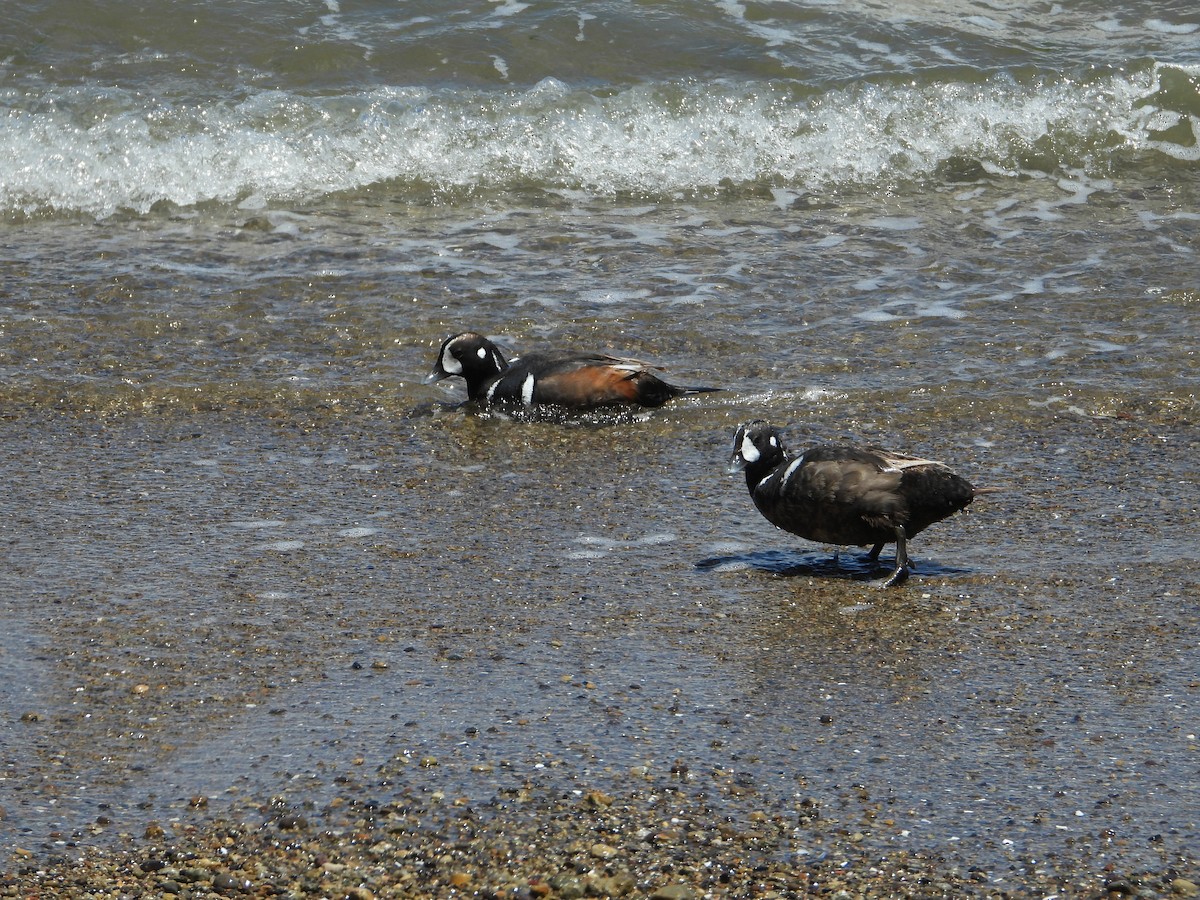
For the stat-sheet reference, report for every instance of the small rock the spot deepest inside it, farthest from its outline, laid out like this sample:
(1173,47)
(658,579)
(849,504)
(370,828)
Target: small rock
(618,885)
(1184,888)
(603,851)
(568,887)
(597,798)
(192,875)
(676,892)
(226,883)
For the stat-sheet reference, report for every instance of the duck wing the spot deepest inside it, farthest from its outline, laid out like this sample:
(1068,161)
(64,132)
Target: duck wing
(582,381)
(838,495)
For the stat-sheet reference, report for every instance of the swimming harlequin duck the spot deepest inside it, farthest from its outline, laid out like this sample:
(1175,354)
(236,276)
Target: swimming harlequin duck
(569,380)
(847,495)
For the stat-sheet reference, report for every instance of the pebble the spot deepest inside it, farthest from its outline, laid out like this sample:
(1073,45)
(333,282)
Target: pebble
(225,882)
(676,892)
(537,844)
(567,887)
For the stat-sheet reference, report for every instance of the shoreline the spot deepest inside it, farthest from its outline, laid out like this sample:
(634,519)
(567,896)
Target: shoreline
(539,843)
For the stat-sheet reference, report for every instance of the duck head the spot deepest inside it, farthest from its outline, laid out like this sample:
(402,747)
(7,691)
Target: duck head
(471,357)
(757,448)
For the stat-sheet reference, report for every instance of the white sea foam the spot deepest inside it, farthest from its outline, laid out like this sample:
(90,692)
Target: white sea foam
(596,540)
(1165,27)
(359,532)
(509,8)
(284,546)
(665,537)
(99,150)
(587,554)
(896,223)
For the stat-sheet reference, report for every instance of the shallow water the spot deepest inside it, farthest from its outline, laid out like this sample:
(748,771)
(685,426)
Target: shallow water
(249,554)
(319,570)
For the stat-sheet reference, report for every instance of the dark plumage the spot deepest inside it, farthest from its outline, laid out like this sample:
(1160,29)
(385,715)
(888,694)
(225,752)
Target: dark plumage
(568,380)
(847,495)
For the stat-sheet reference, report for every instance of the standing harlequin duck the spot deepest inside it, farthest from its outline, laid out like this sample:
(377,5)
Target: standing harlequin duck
(568,380)
(847,495)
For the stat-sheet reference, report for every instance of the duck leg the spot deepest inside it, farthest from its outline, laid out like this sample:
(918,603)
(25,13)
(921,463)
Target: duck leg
(874,554)
(900,575)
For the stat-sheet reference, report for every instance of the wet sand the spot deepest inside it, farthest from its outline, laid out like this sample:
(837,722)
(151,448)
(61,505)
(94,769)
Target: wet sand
(256,573)
(414,652)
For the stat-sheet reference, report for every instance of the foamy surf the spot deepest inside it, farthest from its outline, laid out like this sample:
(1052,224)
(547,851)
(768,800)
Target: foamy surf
(98,151)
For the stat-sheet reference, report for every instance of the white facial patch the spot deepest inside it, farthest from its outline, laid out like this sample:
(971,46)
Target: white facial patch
(450,365)
(748,451)
(481,352)
(527,390)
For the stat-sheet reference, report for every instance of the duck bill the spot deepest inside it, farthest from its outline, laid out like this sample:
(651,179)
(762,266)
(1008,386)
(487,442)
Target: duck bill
(435,375)
(737,463)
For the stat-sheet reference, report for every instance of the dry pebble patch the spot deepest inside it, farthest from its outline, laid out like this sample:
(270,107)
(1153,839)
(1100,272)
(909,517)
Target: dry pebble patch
(544,846)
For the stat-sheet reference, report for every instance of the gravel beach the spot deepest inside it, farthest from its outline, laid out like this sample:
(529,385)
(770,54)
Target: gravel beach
(661,844)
